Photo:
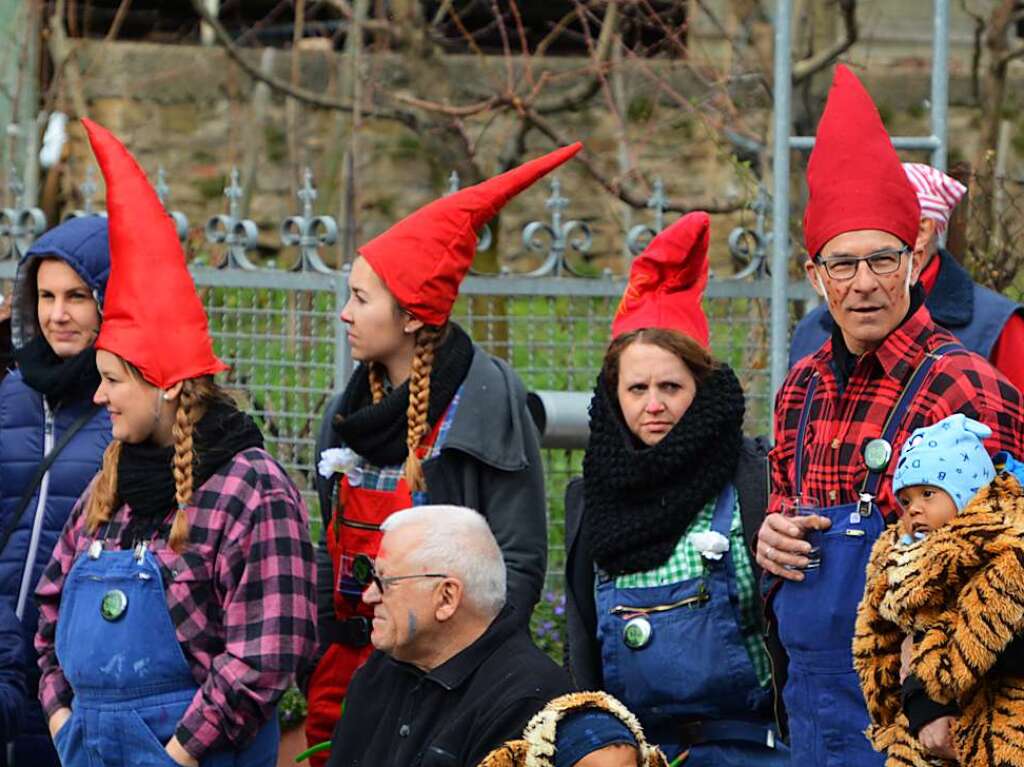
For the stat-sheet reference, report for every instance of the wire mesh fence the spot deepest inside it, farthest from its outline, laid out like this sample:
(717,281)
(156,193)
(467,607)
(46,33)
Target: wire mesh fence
(993,248)
(281,343)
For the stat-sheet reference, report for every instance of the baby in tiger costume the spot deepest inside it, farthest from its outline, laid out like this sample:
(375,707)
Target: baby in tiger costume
(945,588)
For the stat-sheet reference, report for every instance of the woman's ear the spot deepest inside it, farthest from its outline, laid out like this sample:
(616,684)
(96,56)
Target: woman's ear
(411,326)
(173,392)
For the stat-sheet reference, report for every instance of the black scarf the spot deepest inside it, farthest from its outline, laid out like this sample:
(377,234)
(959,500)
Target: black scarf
(639,500)
(377,432)
(145,479)
(58,379)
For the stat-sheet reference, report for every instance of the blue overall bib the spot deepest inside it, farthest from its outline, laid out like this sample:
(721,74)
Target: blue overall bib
(816,616)
(693,680)
(130,679)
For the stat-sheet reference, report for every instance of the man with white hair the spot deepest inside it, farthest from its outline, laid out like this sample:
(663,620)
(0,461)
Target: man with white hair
(453,674)
(986,322)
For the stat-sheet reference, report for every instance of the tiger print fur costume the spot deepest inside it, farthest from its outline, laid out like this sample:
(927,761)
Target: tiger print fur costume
(960,590)
(537,746)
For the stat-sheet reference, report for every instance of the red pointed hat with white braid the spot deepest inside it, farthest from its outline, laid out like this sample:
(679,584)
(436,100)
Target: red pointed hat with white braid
(424,257)
(152,315)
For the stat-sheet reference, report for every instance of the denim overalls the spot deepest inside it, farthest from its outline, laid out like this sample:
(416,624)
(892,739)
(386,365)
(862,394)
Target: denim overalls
(119,652)
(694,675)
(827,713)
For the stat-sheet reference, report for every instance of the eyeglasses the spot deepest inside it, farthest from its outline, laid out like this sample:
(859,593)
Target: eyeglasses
(382,582)
(881,262)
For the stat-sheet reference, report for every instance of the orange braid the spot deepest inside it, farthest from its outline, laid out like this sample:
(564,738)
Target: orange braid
(419,401)
(100,505)
(376,382)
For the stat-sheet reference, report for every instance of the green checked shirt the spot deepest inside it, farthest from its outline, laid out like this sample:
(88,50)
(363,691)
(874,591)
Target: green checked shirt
(686,563)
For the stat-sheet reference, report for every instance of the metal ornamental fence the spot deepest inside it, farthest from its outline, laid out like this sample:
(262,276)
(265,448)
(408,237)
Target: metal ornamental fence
(280,331)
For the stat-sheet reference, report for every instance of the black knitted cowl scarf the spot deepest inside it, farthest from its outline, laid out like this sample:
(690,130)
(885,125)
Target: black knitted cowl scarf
(639,500)
(376,431)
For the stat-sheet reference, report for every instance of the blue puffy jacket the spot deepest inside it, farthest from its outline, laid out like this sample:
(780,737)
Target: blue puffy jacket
(12,675)
(29,427)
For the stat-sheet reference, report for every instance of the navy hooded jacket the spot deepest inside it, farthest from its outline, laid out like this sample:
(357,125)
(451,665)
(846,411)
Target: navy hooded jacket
(28,427)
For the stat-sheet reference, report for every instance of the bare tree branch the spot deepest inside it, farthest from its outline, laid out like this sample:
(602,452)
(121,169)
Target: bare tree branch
(301,94)
(979,36)
(602,53)
(1016,53)
(806,68)
(119,17)
(629,196)
(63,54)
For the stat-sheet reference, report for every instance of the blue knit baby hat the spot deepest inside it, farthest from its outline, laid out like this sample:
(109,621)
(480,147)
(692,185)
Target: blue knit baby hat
(948,455)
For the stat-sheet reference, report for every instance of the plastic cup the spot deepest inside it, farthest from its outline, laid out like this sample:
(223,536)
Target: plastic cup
(796,508)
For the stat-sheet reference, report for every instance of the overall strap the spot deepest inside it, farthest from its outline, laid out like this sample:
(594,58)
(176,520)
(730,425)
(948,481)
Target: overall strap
(801,430)
(721,522)
(873,478)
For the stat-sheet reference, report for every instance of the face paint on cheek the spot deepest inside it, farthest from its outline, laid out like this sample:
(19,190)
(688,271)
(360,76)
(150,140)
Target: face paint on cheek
(411,623)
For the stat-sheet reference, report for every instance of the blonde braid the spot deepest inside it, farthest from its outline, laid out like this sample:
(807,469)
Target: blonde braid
(376,382)
(100,505)
(419,401)
(186,417)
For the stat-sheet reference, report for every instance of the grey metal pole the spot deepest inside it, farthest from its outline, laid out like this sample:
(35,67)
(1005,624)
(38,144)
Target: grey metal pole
(940,83)
(780,207)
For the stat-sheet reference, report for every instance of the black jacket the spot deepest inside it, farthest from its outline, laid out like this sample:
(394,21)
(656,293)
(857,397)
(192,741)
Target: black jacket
(582,650)
(399,716)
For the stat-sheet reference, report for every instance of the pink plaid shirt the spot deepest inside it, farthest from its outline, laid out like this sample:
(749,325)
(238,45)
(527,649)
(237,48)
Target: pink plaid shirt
(241,597)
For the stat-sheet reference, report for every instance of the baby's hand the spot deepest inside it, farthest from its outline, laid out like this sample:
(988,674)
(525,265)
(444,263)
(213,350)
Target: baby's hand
(937,738)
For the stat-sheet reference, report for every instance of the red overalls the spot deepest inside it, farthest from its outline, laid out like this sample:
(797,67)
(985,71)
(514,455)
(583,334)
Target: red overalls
(353,538)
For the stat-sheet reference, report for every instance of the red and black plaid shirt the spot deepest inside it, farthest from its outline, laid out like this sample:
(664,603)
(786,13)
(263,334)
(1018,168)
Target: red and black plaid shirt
(841,423)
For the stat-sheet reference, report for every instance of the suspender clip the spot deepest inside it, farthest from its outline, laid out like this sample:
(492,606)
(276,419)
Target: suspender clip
(864,504)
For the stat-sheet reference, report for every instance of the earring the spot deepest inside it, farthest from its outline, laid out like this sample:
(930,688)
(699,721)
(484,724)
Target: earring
(167,397)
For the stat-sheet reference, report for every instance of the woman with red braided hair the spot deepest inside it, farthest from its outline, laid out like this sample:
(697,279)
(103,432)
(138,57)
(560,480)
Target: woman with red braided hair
(427,417)
(180,599)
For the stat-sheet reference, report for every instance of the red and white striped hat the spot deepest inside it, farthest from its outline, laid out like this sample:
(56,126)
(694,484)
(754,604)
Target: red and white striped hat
(937,192)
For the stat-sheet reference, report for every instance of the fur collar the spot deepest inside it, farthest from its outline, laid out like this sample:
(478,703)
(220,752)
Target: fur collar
(537,746)
(921,576)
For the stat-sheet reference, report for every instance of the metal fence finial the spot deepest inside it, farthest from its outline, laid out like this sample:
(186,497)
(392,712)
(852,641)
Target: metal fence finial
(19,225)
(484,238)
(163,191)
(87,189)
(308,232)
(239,235)
(559,233)
(640,236)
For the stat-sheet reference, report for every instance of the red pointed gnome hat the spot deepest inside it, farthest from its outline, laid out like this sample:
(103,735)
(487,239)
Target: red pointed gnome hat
(667,281)
(425,256)
(152,316)
(854,176)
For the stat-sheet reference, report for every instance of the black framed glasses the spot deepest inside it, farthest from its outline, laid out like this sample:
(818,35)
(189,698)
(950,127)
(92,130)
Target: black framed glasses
(383,581)
(881,262)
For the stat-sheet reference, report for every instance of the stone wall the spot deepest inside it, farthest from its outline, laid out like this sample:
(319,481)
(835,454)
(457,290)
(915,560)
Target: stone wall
(195,113)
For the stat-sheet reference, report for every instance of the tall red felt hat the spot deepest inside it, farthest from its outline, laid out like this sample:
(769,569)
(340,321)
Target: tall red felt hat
(425,256)
(667,281)
(152,315)
(854,176)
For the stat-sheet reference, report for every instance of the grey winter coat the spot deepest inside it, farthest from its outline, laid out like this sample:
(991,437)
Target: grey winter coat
(491,462)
